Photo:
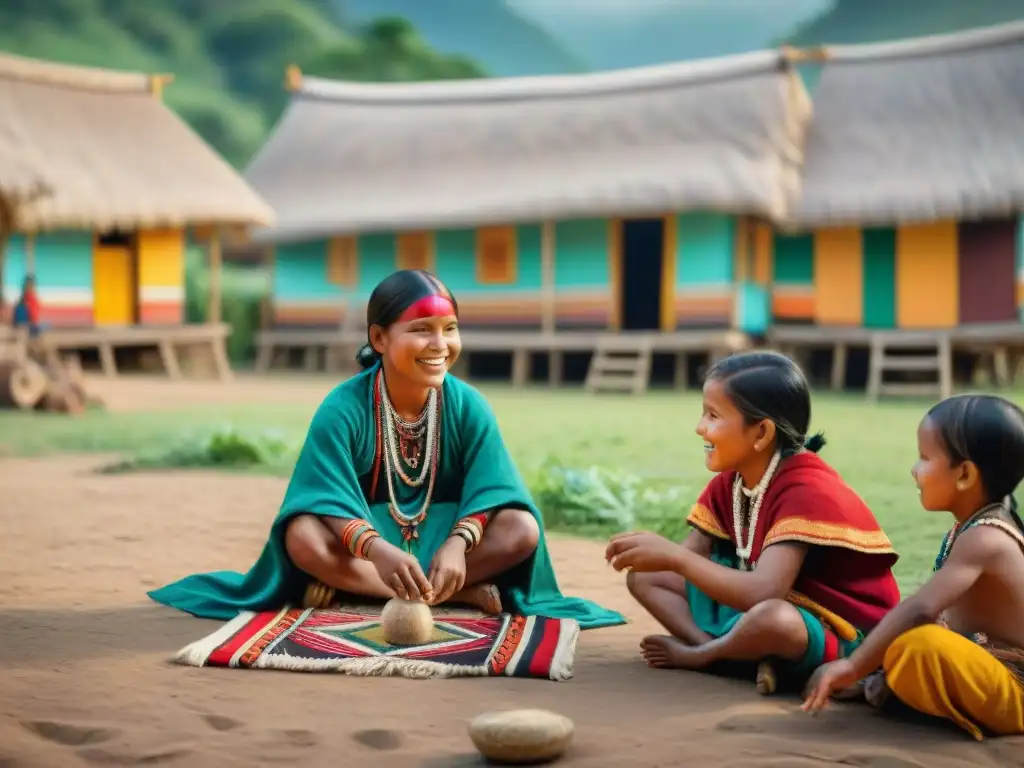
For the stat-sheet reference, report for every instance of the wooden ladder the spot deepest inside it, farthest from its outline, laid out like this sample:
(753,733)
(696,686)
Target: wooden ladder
(620,364)
(925,352)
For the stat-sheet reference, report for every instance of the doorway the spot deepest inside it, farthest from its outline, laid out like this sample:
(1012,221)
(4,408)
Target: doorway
(115,279)
(643,247)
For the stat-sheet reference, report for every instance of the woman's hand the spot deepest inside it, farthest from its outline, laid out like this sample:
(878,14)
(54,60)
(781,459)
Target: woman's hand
(827,680)
(448,569)
(399,570)
(643,551)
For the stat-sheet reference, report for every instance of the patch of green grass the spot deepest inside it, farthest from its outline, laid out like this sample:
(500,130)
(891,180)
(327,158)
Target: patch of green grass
(574,450)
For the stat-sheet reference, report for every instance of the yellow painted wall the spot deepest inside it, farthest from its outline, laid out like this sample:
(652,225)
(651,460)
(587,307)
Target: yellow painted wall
(113,285)
(161,258)
(927,279)
(838,276)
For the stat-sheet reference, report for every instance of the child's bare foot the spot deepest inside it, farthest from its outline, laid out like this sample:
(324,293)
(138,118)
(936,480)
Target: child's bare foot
(667,652)
(483,596)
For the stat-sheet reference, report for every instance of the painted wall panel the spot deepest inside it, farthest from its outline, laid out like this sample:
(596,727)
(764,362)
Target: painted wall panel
(161,254)
(114,285)
(1020,268)
(987,258)
(838,277)
(62,264)
(793,277)
(927,276)
(303,296)
(705,249)
(704,269)
(879,281)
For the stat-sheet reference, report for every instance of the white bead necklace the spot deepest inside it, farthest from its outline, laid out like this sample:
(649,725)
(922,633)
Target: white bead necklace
(756,494)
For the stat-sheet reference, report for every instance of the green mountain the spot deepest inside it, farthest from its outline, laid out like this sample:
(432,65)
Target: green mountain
(864,21)
(228,57)
(612,34)
(488,31)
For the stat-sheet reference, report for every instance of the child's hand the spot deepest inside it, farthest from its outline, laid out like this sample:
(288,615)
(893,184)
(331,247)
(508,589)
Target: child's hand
(826,680)
(642,551)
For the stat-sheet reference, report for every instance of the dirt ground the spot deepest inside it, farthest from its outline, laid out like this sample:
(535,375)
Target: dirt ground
(85,676)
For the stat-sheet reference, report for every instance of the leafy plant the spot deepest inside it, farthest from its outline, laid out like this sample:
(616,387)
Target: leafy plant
(224,447)
(596,500)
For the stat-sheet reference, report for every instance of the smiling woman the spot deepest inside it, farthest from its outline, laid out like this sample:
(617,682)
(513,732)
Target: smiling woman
(404,487)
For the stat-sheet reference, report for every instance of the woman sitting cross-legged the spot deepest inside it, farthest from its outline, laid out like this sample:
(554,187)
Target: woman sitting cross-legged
(404,488)
(785,564)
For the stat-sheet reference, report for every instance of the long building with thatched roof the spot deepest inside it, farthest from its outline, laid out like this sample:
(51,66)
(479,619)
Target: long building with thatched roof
(615,200)
(913,182)
(125,179)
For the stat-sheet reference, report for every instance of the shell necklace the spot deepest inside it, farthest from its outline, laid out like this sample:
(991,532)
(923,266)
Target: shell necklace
(393,463)
(756,496)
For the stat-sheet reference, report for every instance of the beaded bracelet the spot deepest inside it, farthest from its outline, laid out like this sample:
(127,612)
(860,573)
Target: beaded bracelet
(471,529)
(356,537)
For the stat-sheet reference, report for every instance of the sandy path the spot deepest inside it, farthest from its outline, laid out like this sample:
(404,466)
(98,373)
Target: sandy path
(85,678)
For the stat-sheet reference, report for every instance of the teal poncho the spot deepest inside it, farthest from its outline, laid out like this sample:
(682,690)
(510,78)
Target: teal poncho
(476,474)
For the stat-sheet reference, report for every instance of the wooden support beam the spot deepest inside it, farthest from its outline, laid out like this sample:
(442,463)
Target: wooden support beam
(215,261)
(547,275)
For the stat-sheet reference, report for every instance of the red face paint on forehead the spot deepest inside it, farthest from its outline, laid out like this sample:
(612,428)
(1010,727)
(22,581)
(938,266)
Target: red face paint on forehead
(428,306)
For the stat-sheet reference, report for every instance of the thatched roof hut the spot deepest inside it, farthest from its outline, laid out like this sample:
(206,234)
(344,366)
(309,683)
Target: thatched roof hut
(721,134)
(918,130)
(112,154)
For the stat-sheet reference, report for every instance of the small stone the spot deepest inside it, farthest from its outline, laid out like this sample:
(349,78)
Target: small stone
(521,736)
(406,622)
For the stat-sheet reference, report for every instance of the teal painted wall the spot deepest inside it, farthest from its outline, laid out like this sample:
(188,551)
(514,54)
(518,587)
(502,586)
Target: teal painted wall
(879,278)
(581,261)
(793,262)
(300,272)
(300,269)
(63,263)
(705,250)
(376,261)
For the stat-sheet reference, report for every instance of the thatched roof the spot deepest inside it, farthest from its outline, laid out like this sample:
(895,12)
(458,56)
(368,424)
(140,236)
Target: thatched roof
(21,179)
(721,134)
(113,153)
(917,130)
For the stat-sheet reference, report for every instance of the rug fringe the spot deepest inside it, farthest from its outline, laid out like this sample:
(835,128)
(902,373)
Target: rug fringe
(565,652)
(195,654)
(372,666)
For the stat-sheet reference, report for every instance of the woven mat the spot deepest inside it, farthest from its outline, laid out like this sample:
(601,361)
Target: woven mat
(349,639)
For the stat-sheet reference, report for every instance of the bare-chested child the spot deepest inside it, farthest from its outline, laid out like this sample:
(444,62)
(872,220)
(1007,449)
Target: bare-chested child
(955,649)
(785,565)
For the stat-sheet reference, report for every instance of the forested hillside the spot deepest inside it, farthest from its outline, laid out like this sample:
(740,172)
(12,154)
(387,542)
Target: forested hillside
(228,56)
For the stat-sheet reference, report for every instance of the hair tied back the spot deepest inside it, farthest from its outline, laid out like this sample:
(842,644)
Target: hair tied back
(815,442)
(367,356)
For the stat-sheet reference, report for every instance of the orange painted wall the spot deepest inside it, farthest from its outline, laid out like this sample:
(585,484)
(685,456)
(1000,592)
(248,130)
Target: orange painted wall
(838,276)
(927,276)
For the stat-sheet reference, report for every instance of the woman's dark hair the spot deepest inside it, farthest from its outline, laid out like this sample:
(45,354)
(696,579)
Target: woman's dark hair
(767,385)
(989,431)
(392,296)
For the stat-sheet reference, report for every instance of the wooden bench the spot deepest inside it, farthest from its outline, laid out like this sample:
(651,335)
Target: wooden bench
(168,341)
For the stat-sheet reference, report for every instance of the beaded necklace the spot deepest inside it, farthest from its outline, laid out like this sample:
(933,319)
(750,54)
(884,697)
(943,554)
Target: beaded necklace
(756,496)
(978,518)
(425,428)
